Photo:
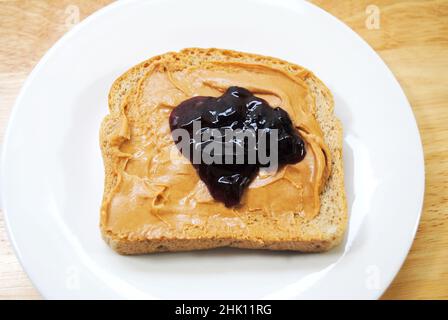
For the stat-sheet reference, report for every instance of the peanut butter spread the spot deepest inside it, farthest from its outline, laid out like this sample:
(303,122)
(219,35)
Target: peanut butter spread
(158,189)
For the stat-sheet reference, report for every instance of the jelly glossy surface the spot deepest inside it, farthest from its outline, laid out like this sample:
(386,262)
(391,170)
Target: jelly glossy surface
(236,111)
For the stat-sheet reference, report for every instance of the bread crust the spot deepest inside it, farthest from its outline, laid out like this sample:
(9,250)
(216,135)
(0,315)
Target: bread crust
(322,233)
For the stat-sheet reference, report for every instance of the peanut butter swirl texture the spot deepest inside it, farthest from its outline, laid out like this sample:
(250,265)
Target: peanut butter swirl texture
(157,189)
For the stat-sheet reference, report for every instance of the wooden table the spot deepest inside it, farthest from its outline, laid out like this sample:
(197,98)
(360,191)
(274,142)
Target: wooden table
(412,38)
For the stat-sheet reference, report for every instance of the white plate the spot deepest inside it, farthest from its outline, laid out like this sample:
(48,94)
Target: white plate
(52,172)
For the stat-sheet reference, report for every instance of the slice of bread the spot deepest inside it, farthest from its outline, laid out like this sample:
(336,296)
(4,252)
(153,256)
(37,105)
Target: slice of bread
(321,233)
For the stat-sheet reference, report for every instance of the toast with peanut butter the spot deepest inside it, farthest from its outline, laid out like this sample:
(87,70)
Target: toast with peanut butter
(156,199)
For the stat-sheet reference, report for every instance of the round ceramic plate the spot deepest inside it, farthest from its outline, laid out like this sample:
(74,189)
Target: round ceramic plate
(52,170)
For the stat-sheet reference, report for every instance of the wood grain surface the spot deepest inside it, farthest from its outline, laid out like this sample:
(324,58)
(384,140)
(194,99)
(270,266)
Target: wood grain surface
(411,37)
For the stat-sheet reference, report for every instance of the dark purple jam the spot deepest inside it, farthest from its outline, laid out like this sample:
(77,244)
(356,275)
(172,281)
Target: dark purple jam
(238,110)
